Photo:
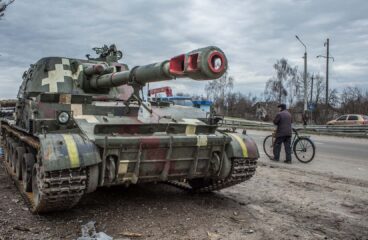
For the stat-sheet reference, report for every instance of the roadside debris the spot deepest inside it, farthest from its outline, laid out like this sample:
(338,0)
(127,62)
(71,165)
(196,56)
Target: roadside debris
(89,233)
(237,220)
(131,234)
(20,228)
(213,236)
(249,231)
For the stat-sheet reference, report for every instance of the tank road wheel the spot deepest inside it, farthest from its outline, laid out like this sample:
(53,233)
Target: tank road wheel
(57,190)
(242,169)
(17,168)
(92,174)
(8,149)
(28,161)
(37,197)
(13,155)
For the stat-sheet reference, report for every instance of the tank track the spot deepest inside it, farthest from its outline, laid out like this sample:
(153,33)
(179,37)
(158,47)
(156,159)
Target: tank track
(242,169)
(59,190)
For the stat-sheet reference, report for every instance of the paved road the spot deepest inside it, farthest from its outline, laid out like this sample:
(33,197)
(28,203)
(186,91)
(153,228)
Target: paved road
(346,157)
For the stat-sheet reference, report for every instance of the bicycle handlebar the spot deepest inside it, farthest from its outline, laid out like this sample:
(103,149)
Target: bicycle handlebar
(297,129)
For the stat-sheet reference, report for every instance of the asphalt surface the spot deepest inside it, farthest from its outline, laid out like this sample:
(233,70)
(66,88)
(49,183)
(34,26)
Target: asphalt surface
(341,156)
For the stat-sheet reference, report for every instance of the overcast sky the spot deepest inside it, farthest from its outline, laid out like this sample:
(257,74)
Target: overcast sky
(253,34)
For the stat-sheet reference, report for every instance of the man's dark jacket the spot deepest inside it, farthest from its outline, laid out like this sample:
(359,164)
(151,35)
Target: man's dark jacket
(283,122)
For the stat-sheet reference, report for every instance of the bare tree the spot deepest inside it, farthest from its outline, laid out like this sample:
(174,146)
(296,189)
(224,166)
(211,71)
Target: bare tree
(3,7)
(275,90)
(295,86)
(285,76)
(333,98)
(240,105)
(218,90)
(287,86)
(318,88)
(353,100)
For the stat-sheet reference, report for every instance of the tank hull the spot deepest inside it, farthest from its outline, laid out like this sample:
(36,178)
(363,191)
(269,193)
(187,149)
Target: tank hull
(73,166)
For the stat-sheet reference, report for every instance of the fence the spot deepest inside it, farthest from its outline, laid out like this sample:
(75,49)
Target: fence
(351,130)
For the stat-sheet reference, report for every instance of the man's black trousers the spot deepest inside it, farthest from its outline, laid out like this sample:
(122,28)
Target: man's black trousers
(277,147)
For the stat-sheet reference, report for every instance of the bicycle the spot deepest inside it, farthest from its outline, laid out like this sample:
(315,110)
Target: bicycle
(302,146)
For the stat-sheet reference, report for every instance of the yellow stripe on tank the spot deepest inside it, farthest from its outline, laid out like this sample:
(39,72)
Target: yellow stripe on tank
(72,149)
(241,143)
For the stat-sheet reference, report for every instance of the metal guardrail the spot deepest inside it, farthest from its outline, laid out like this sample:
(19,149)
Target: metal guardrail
(333,128)
(356,130)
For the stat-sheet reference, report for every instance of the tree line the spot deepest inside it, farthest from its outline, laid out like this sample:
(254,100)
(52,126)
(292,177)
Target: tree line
(287,86)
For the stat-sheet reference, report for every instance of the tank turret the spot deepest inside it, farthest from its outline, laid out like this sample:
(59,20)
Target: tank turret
(99,75)
(201,64)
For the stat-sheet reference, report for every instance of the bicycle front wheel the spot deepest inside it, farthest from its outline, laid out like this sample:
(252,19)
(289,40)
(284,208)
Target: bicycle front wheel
(304,149)
(268,146)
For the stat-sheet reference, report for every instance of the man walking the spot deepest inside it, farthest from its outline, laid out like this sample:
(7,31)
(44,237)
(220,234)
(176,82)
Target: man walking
(283,133)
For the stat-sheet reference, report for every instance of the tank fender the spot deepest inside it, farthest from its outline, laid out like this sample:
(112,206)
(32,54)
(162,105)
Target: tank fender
(242,146)
(65,151)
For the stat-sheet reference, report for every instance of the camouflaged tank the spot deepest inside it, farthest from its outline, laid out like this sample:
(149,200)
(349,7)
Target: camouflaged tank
(83,124)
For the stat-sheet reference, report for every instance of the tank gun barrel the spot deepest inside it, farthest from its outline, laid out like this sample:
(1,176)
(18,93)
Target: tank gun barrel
(91,69)
(201,64)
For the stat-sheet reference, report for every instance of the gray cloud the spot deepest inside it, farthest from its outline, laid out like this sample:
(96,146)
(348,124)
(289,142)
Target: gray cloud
(254,34)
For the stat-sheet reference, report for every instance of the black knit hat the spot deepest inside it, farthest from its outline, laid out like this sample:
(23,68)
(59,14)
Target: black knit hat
(282,106)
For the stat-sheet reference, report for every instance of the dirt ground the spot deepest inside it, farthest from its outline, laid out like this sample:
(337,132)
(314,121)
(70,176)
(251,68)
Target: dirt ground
(278,203)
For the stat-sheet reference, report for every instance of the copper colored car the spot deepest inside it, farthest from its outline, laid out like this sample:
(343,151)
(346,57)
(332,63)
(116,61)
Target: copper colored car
(350,119)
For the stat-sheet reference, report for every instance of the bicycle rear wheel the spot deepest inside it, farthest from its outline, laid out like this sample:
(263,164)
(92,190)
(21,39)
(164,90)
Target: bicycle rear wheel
(268,146)
(304,149)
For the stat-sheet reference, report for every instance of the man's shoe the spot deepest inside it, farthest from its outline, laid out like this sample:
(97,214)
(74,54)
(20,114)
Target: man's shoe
(273,159)
(288,162)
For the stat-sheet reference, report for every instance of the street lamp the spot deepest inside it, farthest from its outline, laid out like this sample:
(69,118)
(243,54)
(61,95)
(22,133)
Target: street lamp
(321,56)
(305,73)
(305,47)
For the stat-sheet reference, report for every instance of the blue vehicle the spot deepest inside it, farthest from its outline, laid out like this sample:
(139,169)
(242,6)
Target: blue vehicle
(204,105)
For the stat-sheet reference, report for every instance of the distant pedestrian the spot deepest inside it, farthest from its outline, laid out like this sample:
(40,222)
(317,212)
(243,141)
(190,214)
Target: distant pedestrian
(283,133)
(305,119)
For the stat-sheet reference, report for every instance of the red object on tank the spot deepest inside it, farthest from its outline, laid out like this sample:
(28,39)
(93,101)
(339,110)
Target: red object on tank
(166,90)
(177,65)
(212,62)
(193,63)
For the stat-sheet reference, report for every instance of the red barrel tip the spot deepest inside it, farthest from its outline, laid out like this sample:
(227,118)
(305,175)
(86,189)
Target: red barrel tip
(216,62)
(201,64)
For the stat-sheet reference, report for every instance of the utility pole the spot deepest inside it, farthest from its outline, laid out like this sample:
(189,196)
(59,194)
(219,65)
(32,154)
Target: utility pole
(327,44)
(305,81)
(311,97)
(311,105)
(305,74)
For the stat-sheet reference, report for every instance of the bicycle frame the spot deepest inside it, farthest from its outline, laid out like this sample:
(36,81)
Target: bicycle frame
(295,137)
